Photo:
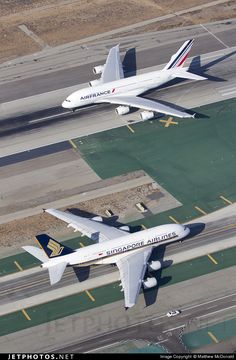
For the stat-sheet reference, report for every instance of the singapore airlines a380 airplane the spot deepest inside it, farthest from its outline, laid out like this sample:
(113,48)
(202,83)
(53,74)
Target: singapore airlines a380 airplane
(130,252)
(114,88)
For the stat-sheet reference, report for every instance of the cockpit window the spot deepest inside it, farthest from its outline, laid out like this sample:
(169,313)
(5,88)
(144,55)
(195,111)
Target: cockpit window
(68,100)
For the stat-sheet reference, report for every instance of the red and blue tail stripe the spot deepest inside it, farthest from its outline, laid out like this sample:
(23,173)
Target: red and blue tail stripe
(179,58)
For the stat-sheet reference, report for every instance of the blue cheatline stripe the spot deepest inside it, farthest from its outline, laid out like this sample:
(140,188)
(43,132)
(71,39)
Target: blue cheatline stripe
(183,52)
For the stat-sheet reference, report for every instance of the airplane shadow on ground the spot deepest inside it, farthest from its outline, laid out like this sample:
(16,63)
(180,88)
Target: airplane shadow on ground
(194,67)
(129,63)
(150,295)
(110,221)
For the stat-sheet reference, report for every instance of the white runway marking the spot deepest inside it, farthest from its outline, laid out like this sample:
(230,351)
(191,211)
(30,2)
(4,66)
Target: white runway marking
(48,117)
(214,36)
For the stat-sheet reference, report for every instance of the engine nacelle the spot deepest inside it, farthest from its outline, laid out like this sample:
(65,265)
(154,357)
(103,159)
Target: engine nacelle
(122,110)
(154,265)
(98,69)
(147,115)
(94,82)
(149,283)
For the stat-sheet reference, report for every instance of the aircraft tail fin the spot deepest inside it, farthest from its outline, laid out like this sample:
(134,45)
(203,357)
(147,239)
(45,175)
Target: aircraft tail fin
(178,59)
(51,247)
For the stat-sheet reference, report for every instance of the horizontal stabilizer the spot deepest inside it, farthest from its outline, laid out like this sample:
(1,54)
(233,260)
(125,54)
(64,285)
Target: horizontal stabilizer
(181,73)
(36,252)
(56,272)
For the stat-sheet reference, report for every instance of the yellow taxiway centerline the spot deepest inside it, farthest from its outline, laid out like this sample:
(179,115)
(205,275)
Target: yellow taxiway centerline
(89,295)
(200,210)
(26,315)
(212,337)
(212,259)
(73,144)
(18,266)
(130,128)
(226,200)
(173,219)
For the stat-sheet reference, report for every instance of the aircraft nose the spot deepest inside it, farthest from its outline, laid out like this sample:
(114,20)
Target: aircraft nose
(65,104)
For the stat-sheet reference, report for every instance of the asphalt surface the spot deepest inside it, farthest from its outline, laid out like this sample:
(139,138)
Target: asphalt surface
(159,330)
(52,124)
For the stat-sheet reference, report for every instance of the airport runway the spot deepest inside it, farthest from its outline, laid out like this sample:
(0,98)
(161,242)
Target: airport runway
(54,124)
(159,330)
(199,299)
(24,287)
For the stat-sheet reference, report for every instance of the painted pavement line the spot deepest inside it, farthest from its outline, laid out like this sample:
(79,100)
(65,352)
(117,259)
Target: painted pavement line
(47,117)
(130,128)
(173,219)
(143,227)
(212,259)
(204,27)
(169,122)
(228,93)
(212,336)
(226,89)
(215,312)
(200,210)
(177,327)
(18,266)
(90,295)
(102,347)
(208,302)
(224,198)
(26,315)
(73,144)
(81,244)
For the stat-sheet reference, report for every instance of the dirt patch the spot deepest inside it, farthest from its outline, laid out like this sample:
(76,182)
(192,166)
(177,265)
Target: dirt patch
(21,232)
(59,22)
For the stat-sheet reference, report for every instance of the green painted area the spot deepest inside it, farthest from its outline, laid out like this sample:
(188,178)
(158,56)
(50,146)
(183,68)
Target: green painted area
(194,161)
(148,350)
(222,331)
(109,293)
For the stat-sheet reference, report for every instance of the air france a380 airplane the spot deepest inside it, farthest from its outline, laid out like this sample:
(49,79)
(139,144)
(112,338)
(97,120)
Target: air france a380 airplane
(130,252)
(114,88)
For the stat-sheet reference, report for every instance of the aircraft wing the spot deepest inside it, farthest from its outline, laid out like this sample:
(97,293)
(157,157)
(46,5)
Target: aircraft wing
(93,228)
(146,104)
(132,270)
(113,68)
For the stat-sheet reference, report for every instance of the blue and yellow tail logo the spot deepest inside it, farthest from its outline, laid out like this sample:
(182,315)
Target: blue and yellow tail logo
(55,248)
(52,247)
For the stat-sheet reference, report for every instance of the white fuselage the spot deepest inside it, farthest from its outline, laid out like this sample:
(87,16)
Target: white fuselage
(134,85)
(109,251)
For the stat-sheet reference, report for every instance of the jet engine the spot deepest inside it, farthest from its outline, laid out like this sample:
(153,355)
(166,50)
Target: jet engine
(94,82)
(154,265)
(122,110)
(149,282)
(98,69)
(147,115)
